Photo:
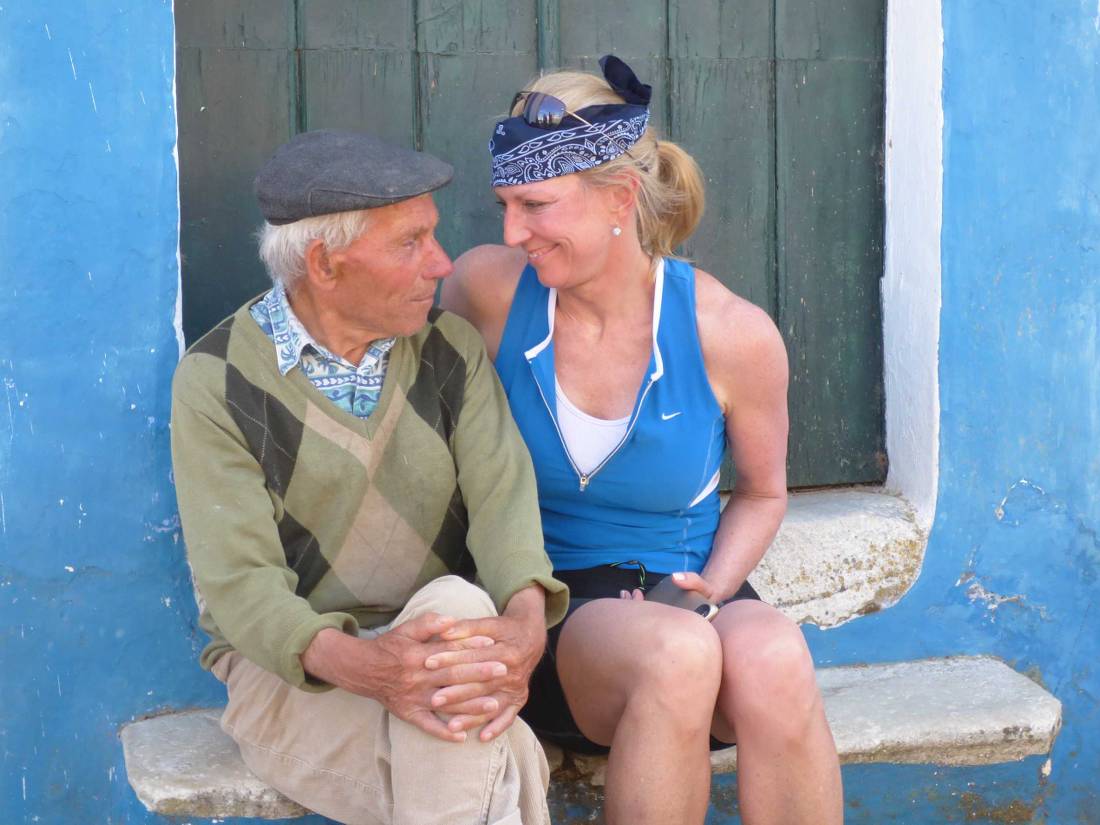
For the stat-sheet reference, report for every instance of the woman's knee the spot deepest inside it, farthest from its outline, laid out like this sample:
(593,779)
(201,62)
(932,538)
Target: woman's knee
(768,673)
(631,649)
(682,663)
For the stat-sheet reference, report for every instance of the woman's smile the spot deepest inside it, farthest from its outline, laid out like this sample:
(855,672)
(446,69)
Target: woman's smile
(537,254)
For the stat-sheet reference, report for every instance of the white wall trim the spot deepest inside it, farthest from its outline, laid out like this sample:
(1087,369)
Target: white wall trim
(177,319)
(911,282)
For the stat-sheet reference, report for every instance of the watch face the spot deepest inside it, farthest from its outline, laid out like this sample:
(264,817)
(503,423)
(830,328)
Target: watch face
(707,610)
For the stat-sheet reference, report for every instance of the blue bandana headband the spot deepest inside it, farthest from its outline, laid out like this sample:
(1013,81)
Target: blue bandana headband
(522,153)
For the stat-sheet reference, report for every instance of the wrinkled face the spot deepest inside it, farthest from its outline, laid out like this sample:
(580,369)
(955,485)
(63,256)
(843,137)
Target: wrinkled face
(562,224)
(386,278)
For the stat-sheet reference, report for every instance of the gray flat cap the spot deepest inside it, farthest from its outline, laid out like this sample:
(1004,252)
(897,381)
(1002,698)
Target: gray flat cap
(326,171)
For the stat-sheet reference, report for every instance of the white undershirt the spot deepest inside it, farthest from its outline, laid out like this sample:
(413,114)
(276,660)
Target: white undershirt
(589,440)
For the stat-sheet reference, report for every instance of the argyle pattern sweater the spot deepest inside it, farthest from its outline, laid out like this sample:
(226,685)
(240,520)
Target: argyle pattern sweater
(298,516)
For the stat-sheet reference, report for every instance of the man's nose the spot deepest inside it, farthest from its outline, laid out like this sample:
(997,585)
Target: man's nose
(515,230)
(440,265)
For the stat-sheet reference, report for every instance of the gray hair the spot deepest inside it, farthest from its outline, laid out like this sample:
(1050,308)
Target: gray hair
(283,248)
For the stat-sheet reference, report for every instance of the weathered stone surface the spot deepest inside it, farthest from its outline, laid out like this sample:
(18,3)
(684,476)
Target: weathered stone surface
(970,710)
(182,764)
(841,553)
(958,711)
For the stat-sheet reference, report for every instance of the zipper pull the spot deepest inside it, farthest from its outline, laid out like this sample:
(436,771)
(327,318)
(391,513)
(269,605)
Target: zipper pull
(584,482)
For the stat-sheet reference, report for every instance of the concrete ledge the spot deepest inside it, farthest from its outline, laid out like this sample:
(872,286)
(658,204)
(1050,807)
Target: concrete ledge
(841,553)
(958,711)
(182,764)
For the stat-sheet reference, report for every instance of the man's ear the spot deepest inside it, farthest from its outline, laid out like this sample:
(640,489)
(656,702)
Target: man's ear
(318,266)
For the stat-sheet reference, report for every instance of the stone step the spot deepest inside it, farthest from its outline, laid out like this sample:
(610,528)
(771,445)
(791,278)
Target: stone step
(970,710)
(841,553)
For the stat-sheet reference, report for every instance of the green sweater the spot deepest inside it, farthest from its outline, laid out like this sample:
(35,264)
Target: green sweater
(298,516)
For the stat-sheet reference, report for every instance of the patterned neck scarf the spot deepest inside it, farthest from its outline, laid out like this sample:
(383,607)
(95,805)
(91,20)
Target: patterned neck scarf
(354,389)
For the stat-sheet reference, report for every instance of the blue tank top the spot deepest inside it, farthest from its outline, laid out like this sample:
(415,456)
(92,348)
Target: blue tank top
(655,498)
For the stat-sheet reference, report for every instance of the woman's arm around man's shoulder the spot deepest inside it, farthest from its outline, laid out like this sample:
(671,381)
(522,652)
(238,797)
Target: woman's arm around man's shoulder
(481,289)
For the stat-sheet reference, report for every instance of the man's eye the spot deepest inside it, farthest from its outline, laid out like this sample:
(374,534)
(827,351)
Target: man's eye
(534,205)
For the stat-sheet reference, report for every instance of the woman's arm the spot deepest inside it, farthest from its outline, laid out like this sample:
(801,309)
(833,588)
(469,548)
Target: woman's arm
(481,288)
(746,362)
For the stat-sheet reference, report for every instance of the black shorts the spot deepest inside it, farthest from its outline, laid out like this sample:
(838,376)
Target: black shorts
(546,710)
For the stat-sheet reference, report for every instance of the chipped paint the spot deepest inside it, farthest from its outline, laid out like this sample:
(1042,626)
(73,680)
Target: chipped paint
(978,810)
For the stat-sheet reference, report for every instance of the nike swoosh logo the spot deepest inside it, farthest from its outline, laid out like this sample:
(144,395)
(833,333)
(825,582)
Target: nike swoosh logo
(671,415)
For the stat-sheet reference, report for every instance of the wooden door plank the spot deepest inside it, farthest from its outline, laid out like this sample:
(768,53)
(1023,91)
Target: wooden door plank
(353,24)
(473,57)
(723,115)
(629,28)
(829,155)
(235,107)
(235,24)
(457,127)
(830,29)
(704,28)
(369,90)
(477,27)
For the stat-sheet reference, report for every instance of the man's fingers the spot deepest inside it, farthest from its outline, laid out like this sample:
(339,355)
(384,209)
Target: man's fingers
(426,627)
(465,722)
(483,705)
(473,672)
(445,697)
(430,723)
(497,726)
(476,653)
(491,626)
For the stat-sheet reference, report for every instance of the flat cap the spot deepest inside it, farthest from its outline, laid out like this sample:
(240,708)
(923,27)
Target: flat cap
(328,170)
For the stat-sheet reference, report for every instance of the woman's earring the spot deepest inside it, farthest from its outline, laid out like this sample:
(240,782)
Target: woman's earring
(616,231)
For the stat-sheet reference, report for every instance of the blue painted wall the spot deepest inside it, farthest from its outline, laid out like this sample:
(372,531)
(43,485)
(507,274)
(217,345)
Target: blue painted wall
(1012,563)
(96,613)
(96,617)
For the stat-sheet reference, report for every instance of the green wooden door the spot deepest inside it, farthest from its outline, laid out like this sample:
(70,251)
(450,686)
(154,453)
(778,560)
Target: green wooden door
(781,101)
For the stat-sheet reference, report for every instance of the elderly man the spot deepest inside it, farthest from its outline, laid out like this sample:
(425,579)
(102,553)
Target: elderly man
(346,465)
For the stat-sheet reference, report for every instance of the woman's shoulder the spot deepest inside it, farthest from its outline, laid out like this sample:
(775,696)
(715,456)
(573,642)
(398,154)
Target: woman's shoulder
(481,288)
(741,343)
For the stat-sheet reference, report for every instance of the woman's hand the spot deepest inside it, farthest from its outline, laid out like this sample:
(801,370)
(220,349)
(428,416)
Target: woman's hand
(685,581)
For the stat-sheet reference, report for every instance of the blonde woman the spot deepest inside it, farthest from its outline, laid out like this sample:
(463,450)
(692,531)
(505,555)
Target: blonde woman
(628,372)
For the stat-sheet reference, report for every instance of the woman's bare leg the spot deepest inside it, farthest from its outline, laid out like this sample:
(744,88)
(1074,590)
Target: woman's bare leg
(643,678)
(787,767)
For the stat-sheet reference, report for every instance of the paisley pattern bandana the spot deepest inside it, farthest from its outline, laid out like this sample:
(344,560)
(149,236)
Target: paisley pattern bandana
(522,153)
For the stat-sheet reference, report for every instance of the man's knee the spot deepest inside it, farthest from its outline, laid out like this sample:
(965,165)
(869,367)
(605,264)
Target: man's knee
(451,596)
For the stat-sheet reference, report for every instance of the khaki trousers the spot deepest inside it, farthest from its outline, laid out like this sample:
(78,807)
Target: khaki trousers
(344,756)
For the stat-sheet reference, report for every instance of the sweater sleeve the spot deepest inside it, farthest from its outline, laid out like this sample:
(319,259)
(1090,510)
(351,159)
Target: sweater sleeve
(498,488)
(233,546)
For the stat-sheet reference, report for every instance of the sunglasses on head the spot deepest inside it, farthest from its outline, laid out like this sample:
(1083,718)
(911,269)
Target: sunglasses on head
(543,111)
